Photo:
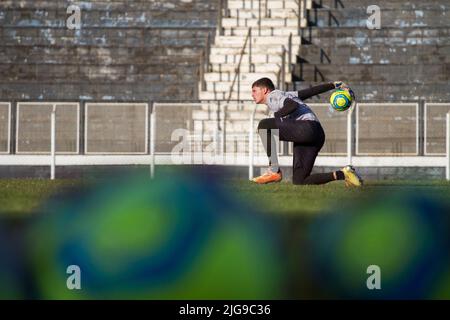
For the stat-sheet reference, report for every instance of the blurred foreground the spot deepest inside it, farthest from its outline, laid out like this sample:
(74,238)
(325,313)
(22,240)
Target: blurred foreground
(190,236)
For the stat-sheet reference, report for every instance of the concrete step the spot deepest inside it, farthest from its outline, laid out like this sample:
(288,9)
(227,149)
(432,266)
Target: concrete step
(219,109)
(393,4)
(269,13)
(263,31)
(238,41)
(231,127)
(260,68)
(206,95)
(255,58)
(245,86)
(254,4)
(374,73)
(96,56)
(256,51)
(357,17)
(349,36)
(223,96)
(105,37)
(210,127)
(378,54)
(231,115)
(244,77)
(111,6)
(255,22)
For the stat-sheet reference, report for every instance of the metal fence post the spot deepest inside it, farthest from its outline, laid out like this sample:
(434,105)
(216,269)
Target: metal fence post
(349,136)
(152,142)
(448,147)
(53,143)
(250,149)
(283,69)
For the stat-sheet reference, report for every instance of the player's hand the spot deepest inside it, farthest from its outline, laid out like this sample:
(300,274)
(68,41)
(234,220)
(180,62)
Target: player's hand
(341,85)
(344,86)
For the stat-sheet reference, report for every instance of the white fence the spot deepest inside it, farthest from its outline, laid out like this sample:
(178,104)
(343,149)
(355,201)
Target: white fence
(373,135)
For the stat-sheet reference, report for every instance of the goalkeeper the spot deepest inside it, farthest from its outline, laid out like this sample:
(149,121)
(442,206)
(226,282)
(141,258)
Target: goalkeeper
(294,121)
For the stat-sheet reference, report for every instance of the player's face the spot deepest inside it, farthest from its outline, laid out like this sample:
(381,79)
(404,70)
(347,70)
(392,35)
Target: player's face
(259,94)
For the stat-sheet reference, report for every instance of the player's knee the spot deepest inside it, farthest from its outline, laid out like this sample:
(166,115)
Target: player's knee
(265,124)
(262,124)
(298,179)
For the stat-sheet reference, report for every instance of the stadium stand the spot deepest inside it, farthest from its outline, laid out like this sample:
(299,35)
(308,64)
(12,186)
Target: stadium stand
(407,59)
(125,50)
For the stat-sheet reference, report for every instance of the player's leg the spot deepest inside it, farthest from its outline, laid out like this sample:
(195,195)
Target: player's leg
(308,137)
(303,163)
(268,133)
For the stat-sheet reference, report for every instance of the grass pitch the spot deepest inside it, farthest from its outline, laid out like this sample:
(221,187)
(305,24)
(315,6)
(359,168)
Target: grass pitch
(23,196)
(286,198)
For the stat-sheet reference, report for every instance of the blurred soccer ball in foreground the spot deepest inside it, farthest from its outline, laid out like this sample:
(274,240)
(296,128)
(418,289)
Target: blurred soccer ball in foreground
(177,238)
(12,272)
(405,234)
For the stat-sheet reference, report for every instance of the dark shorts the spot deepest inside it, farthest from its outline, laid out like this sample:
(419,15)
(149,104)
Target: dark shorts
(304,132)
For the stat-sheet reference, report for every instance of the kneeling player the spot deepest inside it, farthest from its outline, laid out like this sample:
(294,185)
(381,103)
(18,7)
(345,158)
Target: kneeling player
(294,121)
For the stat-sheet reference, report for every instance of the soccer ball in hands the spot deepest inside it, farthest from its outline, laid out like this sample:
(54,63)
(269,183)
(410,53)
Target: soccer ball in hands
(341,99)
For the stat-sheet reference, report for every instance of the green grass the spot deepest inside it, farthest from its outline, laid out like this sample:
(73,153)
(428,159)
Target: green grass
(23,196)
(290,199)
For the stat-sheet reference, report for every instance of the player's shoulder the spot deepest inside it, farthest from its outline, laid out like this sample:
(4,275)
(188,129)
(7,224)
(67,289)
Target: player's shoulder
(279,93)
(276,94)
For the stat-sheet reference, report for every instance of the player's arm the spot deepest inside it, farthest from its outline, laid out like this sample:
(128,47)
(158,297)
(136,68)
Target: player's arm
(289,106)
(321,88)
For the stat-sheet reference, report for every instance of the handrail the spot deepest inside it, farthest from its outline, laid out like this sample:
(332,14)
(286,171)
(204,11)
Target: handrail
(266,13)
(223,7)
(303,7)
(290,53)
(204,62)
(259,17)
(238,68)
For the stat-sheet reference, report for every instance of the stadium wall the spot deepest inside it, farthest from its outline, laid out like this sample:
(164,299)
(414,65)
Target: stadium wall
(232,172)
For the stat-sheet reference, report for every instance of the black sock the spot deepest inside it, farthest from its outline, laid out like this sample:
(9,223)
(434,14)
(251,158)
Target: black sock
(340,175)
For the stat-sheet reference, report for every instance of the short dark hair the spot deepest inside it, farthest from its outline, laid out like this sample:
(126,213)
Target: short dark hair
(264,83)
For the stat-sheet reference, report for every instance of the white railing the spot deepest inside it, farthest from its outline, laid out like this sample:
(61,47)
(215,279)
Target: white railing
(200,138)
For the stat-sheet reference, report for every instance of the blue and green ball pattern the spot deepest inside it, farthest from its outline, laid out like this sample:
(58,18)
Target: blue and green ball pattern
(341,100)
(178,238)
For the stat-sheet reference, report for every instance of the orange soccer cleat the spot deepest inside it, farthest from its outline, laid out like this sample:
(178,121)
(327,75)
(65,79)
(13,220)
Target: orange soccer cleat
(268,177)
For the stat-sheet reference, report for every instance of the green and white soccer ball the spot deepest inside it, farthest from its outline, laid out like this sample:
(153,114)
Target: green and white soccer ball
(341,100)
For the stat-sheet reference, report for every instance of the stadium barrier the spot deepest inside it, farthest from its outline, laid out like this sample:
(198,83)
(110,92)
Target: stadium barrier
(215,132)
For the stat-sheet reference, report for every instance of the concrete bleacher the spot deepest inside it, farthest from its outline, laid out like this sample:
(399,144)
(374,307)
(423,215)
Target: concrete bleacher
(125,50)
(406,60)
